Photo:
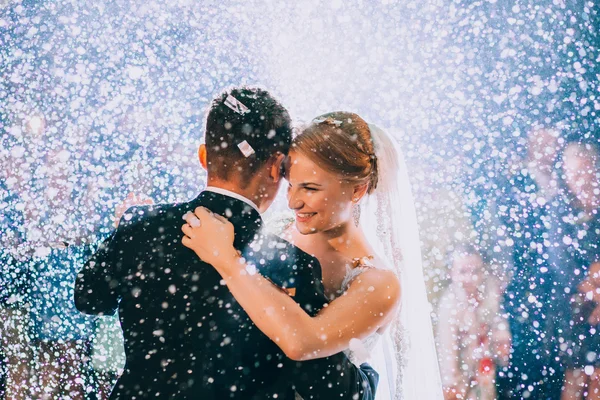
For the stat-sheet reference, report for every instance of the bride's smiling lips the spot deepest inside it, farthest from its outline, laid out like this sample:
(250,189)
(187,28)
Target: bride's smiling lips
(304,217)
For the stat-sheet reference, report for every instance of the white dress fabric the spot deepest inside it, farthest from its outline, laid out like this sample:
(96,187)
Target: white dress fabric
(370,349)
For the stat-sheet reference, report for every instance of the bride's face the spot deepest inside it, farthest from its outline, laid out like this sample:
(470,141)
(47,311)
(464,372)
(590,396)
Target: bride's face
(319,198)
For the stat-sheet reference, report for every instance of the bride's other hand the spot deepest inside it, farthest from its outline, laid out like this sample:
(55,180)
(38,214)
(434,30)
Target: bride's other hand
(131,200)
(210,236)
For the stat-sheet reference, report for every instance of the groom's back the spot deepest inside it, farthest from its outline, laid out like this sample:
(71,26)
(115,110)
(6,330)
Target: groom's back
(165,308)
(186,337)
(174,313)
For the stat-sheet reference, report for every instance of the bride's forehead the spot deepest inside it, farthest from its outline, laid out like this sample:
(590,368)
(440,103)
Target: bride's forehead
(302,165)
(306,171)
(297,158)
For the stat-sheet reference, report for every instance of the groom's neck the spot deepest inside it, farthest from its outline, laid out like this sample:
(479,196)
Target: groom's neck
(249,191)
(231,186)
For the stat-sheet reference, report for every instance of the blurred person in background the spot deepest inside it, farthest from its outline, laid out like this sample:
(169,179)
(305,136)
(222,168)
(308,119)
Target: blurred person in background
(61,335)
(521,209)
(15,282)
(574,248)
(473,336)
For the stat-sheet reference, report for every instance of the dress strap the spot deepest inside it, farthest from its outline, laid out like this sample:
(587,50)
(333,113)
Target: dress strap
(359,265)
(363,262)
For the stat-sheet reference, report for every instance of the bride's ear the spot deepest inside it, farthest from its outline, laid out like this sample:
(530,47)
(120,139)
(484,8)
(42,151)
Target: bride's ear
(359,192)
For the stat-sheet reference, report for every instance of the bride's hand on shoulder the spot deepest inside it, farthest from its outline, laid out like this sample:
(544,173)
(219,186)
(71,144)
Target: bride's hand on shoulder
(210,236)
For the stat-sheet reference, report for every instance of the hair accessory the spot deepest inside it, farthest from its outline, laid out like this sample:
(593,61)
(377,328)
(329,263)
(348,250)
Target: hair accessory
(329,121)
(236,105)
(246,149)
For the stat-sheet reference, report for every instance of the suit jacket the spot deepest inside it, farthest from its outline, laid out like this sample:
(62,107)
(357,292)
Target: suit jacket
(186,337)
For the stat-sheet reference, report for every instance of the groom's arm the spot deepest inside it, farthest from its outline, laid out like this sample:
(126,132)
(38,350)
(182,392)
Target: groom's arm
(94,285)
(97,284)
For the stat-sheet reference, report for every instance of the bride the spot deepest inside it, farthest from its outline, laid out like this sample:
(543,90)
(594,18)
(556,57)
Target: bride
(349,189)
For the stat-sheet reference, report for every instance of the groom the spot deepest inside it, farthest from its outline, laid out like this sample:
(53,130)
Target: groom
(186,337)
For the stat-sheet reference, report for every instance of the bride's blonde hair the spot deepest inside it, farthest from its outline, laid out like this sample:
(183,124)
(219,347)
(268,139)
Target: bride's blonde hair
(341,142)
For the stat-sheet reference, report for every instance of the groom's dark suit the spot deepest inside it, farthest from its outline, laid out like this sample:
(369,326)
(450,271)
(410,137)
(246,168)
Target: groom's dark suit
(186,337)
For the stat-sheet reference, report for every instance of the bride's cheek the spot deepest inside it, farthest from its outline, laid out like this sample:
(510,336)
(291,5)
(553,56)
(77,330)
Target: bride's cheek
(322,201)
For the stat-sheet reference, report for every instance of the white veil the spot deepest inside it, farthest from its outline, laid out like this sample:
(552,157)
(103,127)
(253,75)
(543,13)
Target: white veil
(388,215)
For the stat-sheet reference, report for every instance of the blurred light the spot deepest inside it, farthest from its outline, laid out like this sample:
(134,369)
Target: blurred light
(36,124)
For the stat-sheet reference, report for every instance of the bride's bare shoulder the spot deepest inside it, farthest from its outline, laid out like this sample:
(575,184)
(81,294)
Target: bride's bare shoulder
(372,272)
(379,275)
(378,289)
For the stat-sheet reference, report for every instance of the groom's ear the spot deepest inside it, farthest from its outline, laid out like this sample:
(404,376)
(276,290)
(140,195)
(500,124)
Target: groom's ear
(274,166)
(202,156)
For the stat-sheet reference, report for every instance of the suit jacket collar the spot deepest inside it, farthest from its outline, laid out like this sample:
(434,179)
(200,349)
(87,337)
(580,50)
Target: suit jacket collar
(229,193)
(245,218)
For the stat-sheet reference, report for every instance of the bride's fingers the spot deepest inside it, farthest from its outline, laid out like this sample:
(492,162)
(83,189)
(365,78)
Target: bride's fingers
(186,216)
(187,242)
(221,218)
(203,213)
(218,217)
(188,231)
(192,220)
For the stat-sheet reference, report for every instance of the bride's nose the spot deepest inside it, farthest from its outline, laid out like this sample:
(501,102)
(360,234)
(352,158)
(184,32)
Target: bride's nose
(294,202)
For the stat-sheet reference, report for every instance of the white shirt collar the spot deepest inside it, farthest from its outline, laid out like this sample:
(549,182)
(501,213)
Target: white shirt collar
(229,193)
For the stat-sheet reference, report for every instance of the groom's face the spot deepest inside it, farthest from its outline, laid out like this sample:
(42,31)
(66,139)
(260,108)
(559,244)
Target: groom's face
(269,177)
(320,199)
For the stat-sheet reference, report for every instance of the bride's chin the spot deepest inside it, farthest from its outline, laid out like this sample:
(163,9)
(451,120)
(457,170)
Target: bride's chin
(305,230)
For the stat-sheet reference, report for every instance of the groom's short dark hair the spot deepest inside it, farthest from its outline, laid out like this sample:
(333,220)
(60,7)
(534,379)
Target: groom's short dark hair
(262,122)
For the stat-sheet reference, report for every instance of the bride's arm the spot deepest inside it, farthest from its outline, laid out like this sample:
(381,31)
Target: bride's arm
(368,304)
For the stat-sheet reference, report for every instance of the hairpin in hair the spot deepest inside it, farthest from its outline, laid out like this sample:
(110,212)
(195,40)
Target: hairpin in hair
(236,105)
(329,121)
(246,149)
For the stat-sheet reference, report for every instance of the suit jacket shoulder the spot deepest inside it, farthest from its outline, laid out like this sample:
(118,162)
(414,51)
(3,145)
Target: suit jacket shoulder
(97,283)
(287,266)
